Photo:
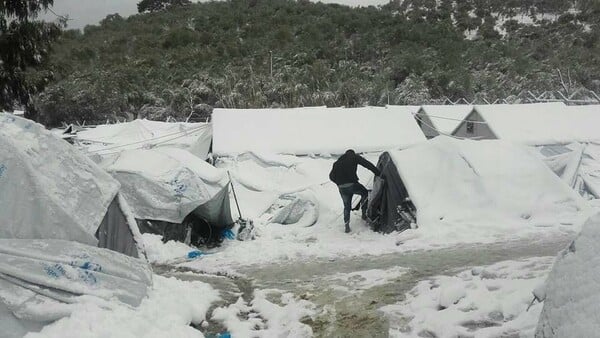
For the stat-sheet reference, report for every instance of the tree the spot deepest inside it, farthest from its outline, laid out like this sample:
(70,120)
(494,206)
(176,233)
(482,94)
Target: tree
(24,43)
(159,5)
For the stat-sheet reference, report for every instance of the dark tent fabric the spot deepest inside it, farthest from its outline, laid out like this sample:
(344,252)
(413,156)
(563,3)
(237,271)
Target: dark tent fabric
(207,222)
(114,232)
(389,203)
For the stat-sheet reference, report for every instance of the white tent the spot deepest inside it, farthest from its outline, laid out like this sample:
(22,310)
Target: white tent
(441,119)
(48,189)
(112,138)
(167,184)
(454,182)
(302,131)
(532,124)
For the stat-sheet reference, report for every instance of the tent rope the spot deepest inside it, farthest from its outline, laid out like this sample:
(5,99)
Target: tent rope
(440,132)
(234,195)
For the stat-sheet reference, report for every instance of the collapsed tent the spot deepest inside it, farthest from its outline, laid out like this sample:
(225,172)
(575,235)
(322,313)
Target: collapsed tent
(49,190)
(451,181)
(173,193)
(41,280)
(577,164)
(318,130)
(572,292)
(111,138)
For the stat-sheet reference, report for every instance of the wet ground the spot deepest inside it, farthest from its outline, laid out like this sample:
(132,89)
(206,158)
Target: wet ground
(347,301)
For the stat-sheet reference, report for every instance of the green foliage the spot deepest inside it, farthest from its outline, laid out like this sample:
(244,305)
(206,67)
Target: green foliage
(284,53)
(159,5)
(23,44)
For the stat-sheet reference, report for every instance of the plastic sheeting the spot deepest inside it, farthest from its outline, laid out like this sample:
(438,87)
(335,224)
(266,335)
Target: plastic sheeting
(39,279)
(577,164)
(303,209)
(387,198)
(168,184)
(48,189)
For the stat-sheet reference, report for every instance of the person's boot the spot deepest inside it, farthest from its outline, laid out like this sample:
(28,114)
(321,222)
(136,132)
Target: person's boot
(347,230)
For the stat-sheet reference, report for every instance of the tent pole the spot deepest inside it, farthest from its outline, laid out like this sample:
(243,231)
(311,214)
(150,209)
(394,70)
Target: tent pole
(234,195)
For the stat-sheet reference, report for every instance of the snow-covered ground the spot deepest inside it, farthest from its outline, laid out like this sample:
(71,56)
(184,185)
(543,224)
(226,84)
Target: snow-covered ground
(172,305)
(487,301)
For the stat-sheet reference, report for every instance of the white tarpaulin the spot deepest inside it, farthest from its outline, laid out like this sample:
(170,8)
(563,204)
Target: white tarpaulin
(456,182)
(577,164)
(137,134)
(40,279)
(316,130)
(165,184)
(48,189)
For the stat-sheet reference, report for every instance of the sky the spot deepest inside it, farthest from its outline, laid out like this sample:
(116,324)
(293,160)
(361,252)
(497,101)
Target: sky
(90,12)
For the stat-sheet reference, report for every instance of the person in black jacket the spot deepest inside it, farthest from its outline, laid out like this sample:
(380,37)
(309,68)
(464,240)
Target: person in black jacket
(344,175)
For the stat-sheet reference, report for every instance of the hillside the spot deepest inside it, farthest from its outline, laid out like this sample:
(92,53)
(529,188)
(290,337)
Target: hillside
(263,53)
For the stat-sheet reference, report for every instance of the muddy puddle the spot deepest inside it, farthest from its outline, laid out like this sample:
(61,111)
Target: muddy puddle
(349,292)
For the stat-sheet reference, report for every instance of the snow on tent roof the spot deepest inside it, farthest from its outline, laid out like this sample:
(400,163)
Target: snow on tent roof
(446,118)
(111,138)
(541,123)
(477,182)
(165,183)
(303,131)
(48,189)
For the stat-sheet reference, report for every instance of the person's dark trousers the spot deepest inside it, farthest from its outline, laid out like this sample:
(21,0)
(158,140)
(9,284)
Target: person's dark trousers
(347,191)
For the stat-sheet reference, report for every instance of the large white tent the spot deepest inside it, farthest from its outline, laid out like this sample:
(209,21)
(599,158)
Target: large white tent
(532,124)
(145,134)
(48,189)
(453,182)
(302,131)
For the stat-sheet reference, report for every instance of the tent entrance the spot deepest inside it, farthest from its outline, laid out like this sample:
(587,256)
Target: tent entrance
(390,207)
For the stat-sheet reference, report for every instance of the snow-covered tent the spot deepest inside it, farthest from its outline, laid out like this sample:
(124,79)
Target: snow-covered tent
(304,131)
(169,188)
(577,164)
(437,120)
(532,124)
(572,291)
(56,206)
(48,189)
(42,280)
(460,182)
(112,138)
